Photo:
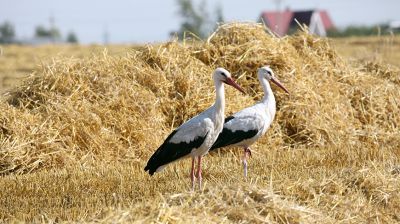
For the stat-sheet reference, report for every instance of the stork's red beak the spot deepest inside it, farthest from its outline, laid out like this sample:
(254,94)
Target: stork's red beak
(232,82)
(276,81)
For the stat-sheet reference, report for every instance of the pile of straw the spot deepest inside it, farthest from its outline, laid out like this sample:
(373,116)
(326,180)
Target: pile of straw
(116,108)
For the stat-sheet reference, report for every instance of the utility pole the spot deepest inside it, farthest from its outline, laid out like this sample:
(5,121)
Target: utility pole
(106,35)
(52,28)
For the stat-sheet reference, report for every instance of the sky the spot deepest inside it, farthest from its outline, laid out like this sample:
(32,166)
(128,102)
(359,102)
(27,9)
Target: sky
(139,21)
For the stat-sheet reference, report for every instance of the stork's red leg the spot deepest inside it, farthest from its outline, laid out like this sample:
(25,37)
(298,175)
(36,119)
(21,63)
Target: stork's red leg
(192,173)
(199,171)
(246,152)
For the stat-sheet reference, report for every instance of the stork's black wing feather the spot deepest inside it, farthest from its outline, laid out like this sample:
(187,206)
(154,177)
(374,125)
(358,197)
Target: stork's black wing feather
(169,152)
(228,118)
(228,137)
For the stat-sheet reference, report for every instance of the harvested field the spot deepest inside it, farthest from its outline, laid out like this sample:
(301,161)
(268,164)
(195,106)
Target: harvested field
(382,49)
(76,134)
(17,62)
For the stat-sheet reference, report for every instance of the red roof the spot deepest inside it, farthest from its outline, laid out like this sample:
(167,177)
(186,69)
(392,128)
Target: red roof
(326,20)
(280,22)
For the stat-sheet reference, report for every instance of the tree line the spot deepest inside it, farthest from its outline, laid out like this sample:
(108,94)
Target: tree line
(196,21)
(52,33)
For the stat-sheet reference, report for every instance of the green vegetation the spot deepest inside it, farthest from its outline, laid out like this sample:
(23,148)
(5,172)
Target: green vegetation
(52,32)
(362,31)
(7,33)
(71,38)
(197,20)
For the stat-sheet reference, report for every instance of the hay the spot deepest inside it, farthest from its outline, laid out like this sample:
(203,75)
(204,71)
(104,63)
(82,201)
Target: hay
(235,205)
(115,108)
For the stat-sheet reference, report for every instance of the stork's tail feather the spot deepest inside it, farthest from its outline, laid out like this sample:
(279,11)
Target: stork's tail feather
(169,152)
(156,160)
(151,169)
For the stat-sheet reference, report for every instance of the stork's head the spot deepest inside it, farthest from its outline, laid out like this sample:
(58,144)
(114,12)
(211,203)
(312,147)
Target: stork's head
(222,75)
(267,73)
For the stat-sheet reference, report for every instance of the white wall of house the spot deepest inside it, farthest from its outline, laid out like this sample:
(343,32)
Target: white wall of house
(316,25)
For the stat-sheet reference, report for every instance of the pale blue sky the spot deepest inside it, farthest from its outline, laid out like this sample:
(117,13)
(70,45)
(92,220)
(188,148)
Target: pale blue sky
(139,21)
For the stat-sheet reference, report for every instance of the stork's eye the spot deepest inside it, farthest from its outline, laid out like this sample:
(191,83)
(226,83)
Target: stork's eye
(223,74)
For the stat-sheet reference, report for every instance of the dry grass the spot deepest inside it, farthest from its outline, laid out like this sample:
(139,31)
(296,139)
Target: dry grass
(17,62)
(381,49)
(76,134)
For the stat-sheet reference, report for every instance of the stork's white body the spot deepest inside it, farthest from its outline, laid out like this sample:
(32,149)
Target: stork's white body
(195,137)
(257,117)
(248,125)
(208,123)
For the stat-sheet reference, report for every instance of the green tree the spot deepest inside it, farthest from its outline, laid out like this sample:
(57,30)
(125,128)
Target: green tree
(7,33)
(196,19)
(219,15)
(71,38)
(52,33)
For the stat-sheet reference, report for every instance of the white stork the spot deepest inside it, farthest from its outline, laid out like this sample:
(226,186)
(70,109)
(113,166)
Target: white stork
(248,125)
(196,136)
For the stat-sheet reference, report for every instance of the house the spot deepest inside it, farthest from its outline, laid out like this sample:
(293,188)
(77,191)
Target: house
(394,25)
(284,22)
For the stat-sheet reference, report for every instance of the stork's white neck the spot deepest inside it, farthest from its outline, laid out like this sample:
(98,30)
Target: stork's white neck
(269,98)
(220,96)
